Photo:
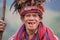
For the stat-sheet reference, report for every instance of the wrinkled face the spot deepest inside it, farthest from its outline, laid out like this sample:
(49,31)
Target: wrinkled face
(31,20)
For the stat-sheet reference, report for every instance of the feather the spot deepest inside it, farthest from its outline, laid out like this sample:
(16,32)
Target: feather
(18,4)
(12,4)
(21,1)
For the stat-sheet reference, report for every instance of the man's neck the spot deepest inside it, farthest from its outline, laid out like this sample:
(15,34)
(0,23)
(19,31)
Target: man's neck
(31,32)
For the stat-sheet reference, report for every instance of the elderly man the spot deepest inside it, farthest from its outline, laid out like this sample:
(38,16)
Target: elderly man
(31,12)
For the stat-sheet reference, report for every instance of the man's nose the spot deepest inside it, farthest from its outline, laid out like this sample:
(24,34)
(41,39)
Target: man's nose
(32,2)
(31,18)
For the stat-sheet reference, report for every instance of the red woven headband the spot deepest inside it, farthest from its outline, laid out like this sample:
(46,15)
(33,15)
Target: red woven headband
(32,9)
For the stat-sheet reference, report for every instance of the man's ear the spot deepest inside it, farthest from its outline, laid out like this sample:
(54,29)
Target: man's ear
(22,19)
(40,20)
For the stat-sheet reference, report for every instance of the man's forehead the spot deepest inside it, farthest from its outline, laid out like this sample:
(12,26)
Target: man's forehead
(31,13)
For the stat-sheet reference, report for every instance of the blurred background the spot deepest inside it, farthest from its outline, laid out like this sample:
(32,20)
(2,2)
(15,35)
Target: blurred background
(51,18)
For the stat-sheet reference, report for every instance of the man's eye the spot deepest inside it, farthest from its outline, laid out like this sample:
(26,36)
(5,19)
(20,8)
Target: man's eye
(36,15)
(27,15)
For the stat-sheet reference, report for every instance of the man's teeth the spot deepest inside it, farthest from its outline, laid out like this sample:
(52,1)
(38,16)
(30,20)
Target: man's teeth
(31,23)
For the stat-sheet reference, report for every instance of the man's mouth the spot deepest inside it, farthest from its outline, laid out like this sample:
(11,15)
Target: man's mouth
(31,23)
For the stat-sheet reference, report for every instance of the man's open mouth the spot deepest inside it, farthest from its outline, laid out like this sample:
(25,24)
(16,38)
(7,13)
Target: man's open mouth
(31,23)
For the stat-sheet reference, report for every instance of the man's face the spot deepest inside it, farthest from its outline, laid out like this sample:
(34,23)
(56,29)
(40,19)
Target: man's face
(31,20)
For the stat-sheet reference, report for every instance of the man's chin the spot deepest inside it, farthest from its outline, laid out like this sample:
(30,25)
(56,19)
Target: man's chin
(32,28)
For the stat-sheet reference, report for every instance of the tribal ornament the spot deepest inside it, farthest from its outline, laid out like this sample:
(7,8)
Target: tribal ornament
(18,4)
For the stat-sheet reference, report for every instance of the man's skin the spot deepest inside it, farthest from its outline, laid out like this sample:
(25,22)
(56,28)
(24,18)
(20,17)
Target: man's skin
(2,25)
(2,28)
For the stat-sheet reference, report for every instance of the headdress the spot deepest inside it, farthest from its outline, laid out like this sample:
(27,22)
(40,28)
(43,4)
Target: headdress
(28,6)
